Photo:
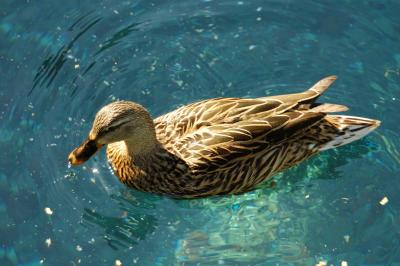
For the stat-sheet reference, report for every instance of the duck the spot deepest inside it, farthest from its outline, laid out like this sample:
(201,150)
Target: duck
(218,146)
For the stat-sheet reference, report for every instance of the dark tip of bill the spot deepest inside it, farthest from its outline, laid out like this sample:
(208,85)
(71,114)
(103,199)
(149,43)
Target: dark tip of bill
(85,151)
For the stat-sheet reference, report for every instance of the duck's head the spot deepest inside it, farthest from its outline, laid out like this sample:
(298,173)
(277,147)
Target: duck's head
(117,121)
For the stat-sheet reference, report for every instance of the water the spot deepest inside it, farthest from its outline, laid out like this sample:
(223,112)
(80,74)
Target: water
(61,61)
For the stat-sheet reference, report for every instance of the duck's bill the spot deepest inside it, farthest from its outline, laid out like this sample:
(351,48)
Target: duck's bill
(83,152)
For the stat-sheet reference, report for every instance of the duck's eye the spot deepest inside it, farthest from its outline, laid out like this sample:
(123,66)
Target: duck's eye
(109,129)
(112,128)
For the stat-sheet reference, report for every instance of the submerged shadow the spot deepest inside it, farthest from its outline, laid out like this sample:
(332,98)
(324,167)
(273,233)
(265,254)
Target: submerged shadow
(131,226)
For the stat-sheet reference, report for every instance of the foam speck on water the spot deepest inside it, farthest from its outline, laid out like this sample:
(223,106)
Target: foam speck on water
(48,211)
(48,242)
(384,201)
(322,263)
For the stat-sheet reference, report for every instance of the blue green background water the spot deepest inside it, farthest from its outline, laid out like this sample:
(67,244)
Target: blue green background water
(60,61)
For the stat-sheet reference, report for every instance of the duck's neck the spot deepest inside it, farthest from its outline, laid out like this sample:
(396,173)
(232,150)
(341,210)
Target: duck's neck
(143,144)
(146,165)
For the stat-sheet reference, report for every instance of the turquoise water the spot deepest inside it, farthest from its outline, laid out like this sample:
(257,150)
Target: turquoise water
(60,61)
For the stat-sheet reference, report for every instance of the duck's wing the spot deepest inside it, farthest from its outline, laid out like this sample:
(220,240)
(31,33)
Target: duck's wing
(215,147)
(191,118)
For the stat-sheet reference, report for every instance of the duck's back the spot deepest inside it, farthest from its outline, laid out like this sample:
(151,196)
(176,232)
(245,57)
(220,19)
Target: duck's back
(232,144)
(191,119)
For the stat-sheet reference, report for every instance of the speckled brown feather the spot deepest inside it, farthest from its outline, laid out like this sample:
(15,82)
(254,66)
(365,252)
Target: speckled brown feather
(229,145)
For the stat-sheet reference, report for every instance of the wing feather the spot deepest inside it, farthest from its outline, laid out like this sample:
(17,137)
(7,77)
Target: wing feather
(214,147)
(222,121)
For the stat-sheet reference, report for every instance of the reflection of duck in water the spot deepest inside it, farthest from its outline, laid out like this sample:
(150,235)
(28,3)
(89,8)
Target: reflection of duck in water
(218,146)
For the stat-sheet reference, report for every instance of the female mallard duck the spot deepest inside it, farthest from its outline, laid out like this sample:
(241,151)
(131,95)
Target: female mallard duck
(218,146)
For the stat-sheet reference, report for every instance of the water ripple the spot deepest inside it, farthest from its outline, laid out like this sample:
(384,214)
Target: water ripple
(52,65)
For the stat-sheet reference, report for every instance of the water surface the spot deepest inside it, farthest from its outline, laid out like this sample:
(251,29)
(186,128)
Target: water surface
(61,61)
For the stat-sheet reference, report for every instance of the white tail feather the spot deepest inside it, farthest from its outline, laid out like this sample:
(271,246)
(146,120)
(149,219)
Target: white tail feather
(351,127)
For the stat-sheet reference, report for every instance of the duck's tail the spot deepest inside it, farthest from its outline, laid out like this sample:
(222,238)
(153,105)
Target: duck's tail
(344,129)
